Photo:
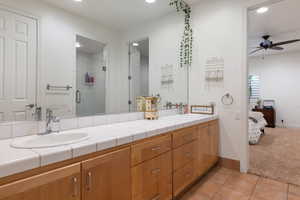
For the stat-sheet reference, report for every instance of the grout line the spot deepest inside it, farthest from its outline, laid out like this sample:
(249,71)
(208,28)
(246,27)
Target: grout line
(254,188)
(288,189)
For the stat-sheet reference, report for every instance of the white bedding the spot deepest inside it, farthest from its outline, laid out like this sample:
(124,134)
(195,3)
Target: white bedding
(255,128)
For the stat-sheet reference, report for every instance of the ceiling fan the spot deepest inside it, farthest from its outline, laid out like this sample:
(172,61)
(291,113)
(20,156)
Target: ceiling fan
(268,44)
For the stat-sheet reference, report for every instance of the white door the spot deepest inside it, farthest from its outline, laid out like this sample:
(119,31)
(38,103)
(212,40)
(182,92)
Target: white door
(18,65)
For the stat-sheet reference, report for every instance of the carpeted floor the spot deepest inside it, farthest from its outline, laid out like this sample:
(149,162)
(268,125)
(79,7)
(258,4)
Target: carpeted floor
(277,156)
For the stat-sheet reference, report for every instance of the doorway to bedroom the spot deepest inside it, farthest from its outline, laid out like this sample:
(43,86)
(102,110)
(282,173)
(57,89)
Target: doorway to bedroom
(274,91)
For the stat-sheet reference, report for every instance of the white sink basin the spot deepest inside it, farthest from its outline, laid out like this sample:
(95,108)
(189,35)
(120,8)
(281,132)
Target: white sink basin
(47,141)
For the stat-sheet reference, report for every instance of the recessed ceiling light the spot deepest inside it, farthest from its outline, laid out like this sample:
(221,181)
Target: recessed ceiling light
(262,10)
(135,44)
(77,45)
(150,1)
(77,0)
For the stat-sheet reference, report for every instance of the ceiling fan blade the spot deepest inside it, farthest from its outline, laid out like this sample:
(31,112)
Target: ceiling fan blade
(277,48)
(256,50)
(286,42)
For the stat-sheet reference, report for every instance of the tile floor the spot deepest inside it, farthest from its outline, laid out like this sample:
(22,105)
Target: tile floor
(277,155)
(225,184)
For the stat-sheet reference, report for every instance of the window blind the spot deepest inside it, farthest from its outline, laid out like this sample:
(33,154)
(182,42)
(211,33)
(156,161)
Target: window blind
(254,88)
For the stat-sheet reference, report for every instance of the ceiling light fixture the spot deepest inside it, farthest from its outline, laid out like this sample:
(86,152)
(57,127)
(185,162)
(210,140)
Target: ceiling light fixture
(78,0)
(262,10)
(135,44)
(77,45)
(150,1)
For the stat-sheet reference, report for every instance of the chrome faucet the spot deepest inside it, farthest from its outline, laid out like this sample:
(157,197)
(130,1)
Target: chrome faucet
(50,118)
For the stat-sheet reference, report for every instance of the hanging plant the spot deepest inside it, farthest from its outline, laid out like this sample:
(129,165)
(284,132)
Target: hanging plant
(186,44)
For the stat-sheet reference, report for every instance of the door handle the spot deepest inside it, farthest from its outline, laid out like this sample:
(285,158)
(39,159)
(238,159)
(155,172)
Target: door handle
(155,171)
(30,106)
(75,185)
(89,181)
(78,97)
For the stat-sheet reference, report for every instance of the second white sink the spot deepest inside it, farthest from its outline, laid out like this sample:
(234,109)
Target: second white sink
(47,141)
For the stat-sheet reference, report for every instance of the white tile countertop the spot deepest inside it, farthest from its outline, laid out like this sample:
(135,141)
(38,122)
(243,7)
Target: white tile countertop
(102,137)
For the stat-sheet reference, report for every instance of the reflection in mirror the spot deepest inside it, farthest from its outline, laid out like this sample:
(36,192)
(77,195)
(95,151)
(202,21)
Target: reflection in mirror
(88,58)
(138,71)
(90,77)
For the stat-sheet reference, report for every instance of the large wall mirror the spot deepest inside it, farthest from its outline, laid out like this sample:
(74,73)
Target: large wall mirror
(84,58)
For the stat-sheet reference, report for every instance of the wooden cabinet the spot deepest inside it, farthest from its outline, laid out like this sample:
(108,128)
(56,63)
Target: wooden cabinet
(269,115)
(107,177)
(149,149)
(152,180)
(157,168)
(60,184)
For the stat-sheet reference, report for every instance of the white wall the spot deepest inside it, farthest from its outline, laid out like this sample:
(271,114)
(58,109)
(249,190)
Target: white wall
(219,30)
(279,80)
(58,30)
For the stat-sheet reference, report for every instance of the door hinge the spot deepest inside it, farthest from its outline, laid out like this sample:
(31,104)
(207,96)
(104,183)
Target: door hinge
(104,68)
(129,102)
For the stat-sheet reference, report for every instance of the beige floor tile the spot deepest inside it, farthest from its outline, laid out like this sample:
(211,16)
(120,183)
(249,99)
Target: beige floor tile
(273,191)
(197,196)
(293,197)
(217,177)
(242,183)
(208,189)
(270,185)
(295,190)
(228,194)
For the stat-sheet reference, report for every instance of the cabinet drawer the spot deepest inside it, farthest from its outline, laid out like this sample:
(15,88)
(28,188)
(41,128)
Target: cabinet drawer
(152,180)
(183,177)
(147,150)
(184,136)
(185,154)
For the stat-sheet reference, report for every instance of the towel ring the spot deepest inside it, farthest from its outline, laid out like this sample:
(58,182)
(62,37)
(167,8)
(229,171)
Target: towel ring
(229,97)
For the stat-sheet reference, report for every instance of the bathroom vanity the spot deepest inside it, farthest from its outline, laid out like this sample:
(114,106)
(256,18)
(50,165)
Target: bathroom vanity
(157,167)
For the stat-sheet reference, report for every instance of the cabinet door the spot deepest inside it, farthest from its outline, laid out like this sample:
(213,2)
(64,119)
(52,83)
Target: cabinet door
(184,177)
(152,180)
(60,184)
(203,162)
(185,154)
(214,141)
(107,177)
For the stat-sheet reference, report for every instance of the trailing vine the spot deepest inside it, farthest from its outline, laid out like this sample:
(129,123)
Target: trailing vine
(186,44)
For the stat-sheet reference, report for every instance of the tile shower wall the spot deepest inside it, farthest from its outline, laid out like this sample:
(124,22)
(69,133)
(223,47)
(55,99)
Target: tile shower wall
(20,129)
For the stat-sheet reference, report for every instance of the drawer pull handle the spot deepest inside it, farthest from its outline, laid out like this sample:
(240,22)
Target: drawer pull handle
(156,148)
(155,171)
(156,197)
(75,190)
(188,174)
(89,181)
(188,154)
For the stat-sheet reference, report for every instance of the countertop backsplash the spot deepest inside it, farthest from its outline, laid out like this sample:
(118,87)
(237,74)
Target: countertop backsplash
(20,129)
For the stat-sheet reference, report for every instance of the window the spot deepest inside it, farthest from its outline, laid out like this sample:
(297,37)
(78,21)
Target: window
(254,88)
